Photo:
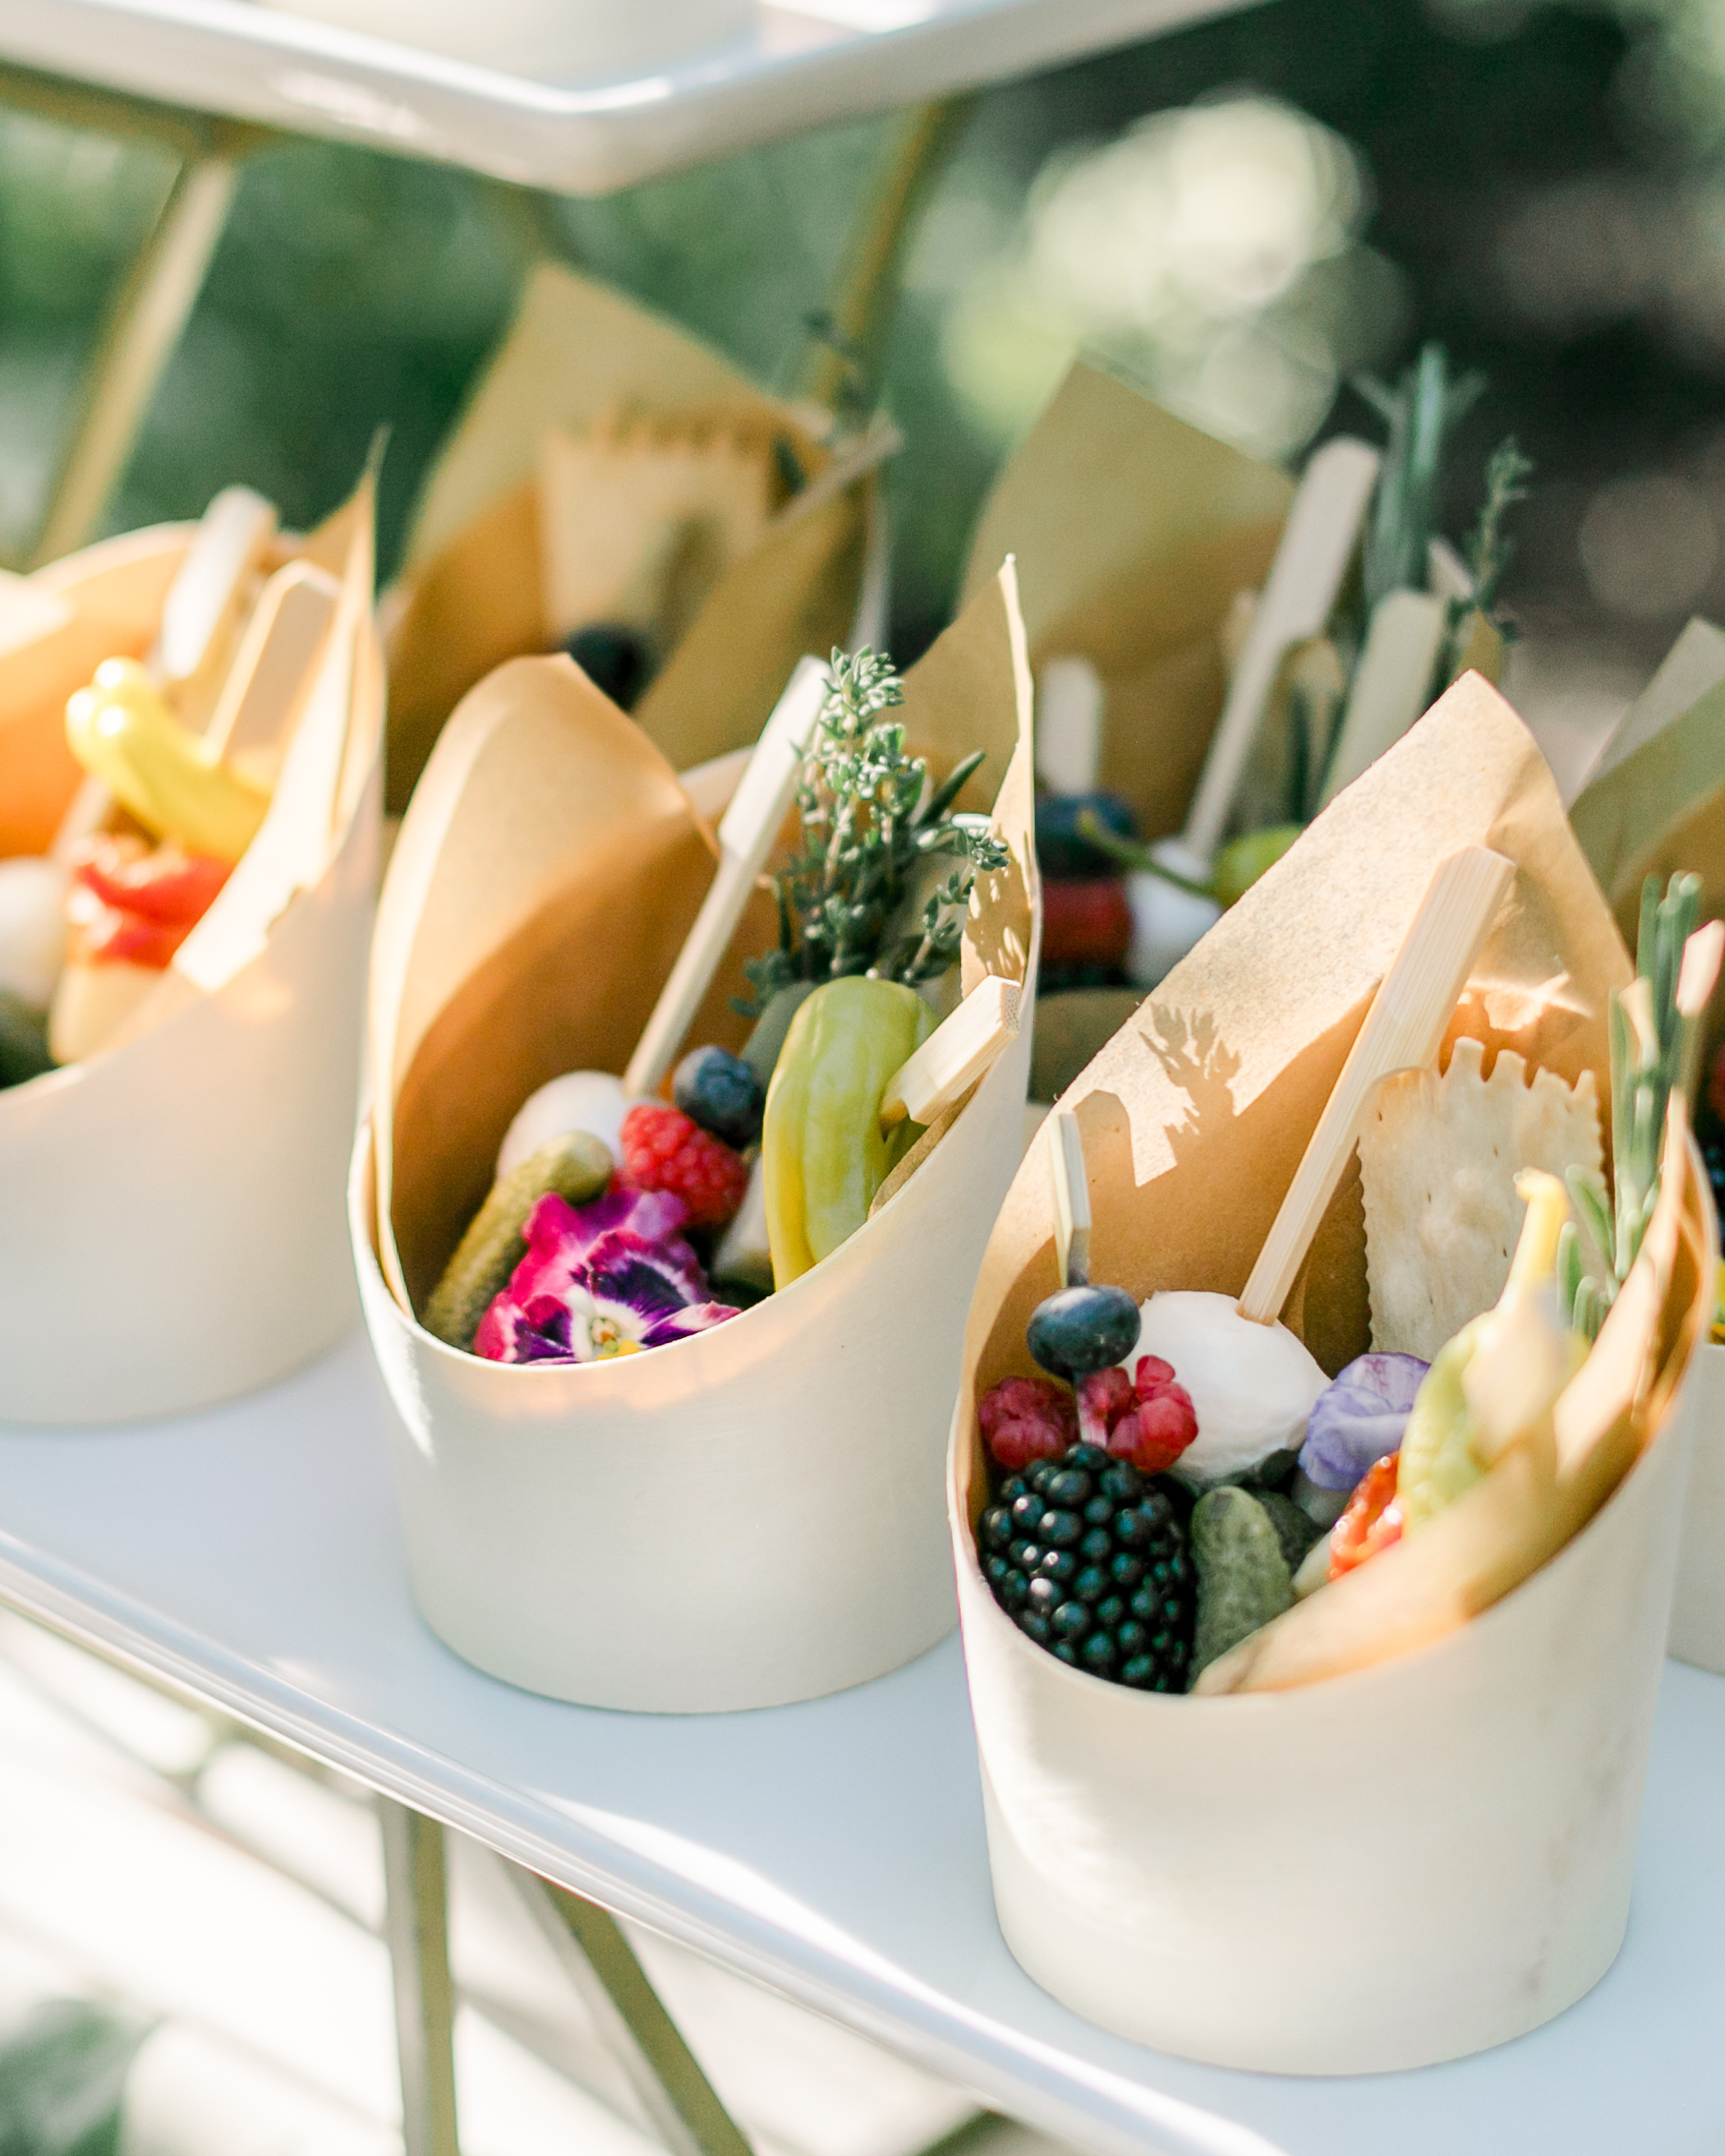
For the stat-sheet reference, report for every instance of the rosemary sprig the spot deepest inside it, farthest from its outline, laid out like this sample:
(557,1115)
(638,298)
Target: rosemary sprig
(1421,412)
(870,818)
(1489,550)
(1652,1056)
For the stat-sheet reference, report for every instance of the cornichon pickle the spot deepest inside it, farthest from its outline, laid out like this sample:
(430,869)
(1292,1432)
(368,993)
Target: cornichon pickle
(823,1153)
(576,1166)
(1243,1577)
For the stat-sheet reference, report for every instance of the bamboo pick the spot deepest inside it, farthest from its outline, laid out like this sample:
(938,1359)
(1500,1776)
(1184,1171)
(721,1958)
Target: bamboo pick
(282,641)
(1072,1198)
(746,833)
(1317,543)
(1402,1030)
(1392,684)
(955,1056)
(207,594)
(1069,725)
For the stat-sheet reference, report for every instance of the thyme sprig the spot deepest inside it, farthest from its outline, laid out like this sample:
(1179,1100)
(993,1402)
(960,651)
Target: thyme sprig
(871,819)
(1652,1056)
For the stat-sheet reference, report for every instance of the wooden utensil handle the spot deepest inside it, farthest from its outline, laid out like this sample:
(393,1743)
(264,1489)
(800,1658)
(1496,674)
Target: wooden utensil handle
(1402,1030)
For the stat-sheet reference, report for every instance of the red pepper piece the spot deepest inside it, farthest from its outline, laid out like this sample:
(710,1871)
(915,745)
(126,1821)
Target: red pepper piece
(1372,1522)
(167,884)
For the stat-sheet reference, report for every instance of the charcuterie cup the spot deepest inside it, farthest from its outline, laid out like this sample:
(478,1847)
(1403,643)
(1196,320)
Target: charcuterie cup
(1414,1836)
(751,1515)
(171,1208)
(1655,801)
(611,469)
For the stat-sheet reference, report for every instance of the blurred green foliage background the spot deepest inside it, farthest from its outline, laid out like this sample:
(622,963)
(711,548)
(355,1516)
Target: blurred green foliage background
(1239,215)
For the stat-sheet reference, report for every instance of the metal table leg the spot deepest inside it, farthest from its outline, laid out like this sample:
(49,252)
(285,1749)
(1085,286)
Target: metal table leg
(664,2072)
(416,1924)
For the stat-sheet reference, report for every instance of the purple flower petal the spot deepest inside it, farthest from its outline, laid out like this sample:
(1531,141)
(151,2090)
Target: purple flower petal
(1360,1419)
(600,1281)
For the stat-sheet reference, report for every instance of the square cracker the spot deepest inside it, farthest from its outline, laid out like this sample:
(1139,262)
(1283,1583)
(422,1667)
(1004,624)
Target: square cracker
(1438,1160)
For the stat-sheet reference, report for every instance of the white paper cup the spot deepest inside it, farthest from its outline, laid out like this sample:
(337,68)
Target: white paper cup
(171,1211)
(1396,1867)
(744,1518)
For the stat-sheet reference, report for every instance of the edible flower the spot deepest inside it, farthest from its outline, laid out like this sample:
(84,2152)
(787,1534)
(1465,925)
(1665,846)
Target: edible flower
(1358,1418)
(600,1281)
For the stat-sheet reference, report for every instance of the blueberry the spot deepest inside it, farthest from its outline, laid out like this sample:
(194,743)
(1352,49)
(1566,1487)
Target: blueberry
(722,1093)
(1062,1529)
(614,659)
(1062,848)
(1083,1329)
(997,1527)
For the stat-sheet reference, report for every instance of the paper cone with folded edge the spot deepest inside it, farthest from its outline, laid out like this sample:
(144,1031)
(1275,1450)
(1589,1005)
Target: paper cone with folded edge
(769,1491)
(186,1183)
(1653,803)
(470,596)
(1168,1866)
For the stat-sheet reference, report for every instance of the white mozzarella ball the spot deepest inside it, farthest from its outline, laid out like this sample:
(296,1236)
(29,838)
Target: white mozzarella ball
(33,927)
(1166,922)
(1252,1386)
(591,1101)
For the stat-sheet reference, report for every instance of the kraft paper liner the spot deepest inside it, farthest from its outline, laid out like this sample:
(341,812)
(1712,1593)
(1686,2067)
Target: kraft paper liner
(1133,533)
(1655,803)
(769,1491)
(1187,1872)
(187,1184)
(469,594)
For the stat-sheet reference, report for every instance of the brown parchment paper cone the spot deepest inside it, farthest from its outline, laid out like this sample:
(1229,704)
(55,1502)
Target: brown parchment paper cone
(187,1184)
(470,595)
(1182,1871)
(1656,803)
(1133,533)
(770,1490)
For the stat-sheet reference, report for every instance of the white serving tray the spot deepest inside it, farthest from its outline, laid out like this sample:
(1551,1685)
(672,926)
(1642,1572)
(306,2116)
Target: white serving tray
(833,1850)
(791,67)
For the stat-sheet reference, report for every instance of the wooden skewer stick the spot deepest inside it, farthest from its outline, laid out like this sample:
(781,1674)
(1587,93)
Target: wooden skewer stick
(1072,1198)
(955,1056)
(1317,543)
(746,833)
(1392,684)
(206,592)
(282,643)
(1402,1030)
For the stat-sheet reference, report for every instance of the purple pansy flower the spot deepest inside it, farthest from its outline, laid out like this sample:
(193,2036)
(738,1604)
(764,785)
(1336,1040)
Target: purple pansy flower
(602,1280)
(1360,1419)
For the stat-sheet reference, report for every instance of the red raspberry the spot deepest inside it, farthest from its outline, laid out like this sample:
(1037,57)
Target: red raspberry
(1162,1423)
(1026,1419)
(664,1150)
(1103,1397)
(1086,924)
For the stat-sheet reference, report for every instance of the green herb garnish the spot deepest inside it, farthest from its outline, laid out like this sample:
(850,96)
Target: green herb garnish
(1421,412)
(870,818)
(1652,1056)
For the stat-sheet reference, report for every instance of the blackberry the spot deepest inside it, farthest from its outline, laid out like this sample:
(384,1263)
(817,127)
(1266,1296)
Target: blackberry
(1088,1558)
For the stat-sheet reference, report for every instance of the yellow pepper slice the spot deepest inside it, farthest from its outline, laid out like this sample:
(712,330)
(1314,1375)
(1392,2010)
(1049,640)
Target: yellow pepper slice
(123,732)
(823,1153)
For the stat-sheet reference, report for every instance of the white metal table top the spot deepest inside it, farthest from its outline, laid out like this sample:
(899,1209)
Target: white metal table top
(791,66)
(834,1850)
